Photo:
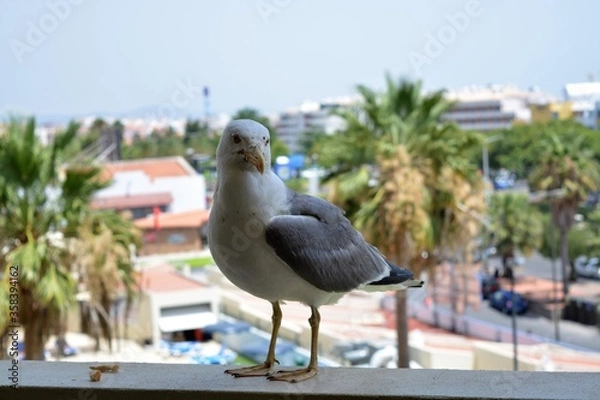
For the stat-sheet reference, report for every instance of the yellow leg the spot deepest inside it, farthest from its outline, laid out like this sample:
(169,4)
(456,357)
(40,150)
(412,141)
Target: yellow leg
(265,368)
(303,374)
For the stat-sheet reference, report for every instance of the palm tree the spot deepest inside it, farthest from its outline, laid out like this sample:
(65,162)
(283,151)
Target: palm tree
(514,225)
(397,169)
(42,204)
(30,213)
(105,269)
(567,170)
(584,239)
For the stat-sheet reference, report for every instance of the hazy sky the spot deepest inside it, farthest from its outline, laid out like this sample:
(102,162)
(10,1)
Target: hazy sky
(74,57)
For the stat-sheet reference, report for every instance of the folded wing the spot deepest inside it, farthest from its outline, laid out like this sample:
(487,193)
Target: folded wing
(322,247)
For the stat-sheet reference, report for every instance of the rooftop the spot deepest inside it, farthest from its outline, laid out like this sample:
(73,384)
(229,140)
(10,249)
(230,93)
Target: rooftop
(165,278)
(498,92)
(582,89)
(188,219)
(153,167)
(132,201)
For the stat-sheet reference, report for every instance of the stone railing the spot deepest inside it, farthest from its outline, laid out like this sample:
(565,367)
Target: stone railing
(70,381)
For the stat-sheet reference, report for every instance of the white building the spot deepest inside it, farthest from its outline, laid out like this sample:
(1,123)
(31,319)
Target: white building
(585,99)
(492,107)
(310,116)
(47,132)
(169,183)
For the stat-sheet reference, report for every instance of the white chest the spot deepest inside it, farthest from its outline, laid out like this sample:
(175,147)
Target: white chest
(238,246)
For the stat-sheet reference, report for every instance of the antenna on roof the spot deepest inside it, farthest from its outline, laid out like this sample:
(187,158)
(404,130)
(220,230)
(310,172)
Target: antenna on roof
(206,102)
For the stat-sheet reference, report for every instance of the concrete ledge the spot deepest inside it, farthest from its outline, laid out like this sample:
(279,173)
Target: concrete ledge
(66,380)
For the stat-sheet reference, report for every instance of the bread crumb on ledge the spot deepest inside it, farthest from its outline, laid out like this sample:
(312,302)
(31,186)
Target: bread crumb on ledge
(106,368)
(95,375)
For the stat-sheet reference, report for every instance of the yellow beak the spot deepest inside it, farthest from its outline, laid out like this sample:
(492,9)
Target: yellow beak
(254,156)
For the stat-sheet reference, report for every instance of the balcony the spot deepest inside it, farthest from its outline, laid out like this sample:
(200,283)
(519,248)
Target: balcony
(68,380)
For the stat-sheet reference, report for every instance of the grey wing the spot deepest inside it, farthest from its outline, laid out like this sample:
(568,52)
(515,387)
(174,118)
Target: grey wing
(322,247)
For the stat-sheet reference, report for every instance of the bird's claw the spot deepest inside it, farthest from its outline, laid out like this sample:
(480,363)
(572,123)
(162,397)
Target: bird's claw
(256,370)
(293,376)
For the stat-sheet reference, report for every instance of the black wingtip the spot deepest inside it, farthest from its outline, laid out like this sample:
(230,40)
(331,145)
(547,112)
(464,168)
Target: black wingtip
(397,275)
(416,283)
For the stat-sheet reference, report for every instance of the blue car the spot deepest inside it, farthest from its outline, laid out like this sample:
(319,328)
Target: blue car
(504,180)
(502,301)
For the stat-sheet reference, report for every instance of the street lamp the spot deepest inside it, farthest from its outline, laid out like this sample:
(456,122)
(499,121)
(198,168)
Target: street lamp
(554,284)
(513,318)
(485,157)
(536,197)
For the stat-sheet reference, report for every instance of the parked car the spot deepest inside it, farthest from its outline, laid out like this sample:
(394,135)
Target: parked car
(504,180)
(489,285)
(587,267)
(502,300)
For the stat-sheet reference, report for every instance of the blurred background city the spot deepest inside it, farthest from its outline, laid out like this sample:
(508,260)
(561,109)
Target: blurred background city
(460,137)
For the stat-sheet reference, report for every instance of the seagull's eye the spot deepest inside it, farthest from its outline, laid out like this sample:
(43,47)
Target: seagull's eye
(237,139)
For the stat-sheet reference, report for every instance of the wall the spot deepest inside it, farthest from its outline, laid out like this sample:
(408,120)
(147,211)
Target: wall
(188,192)
(139,322)
(542,113)
(191,240)
(140,319)
(441,358)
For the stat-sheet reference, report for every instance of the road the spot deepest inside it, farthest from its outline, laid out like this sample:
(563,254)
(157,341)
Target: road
(541,267)
(535,265)
(570,333)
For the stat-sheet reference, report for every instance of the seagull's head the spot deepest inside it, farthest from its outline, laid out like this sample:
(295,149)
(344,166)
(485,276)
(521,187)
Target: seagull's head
(245,145)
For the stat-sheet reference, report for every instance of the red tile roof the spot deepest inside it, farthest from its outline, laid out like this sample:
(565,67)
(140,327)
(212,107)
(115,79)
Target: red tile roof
(132,201)
(165,278)
(189,219)
(153,167)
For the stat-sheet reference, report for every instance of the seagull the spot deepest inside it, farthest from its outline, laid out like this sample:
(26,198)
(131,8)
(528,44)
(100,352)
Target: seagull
(280,245)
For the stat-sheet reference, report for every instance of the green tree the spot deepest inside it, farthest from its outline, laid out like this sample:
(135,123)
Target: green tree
(584,238)
(104,264)
(31,191)
(404,179)
(567,171)
(514,149)
(193,127)
(310,141)
(199,138)
(515,225)
(160,143)
(41,202)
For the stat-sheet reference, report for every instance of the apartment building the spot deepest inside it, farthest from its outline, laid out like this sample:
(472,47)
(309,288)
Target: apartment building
(486,108)
(309,116)
(545,112)
(585,98)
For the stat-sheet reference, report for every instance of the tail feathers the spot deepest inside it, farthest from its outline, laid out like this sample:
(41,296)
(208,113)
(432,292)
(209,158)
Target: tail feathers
(399,278)
(413,283)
